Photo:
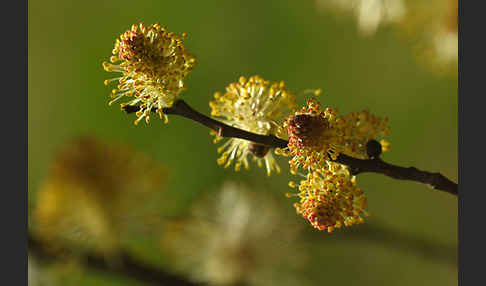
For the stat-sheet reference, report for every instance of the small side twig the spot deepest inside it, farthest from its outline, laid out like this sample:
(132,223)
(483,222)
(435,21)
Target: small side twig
(375,165)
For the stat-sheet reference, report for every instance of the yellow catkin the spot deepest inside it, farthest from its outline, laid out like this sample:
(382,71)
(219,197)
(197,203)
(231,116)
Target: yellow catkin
(329,197)
(255,105)
(153,64)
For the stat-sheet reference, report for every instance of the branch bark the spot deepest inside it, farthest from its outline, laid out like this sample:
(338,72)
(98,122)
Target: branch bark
(375,165)
(434,180)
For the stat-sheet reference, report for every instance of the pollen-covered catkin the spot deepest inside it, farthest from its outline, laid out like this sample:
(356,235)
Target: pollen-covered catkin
(255,105)
(153,64)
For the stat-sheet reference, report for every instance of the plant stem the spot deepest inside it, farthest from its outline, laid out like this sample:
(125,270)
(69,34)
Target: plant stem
(375,165)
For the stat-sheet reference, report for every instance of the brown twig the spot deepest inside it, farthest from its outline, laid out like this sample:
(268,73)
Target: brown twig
(181,108)
(375,165)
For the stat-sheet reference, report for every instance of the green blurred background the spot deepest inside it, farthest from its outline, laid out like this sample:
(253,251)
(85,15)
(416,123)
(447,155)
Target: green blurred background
(279,40)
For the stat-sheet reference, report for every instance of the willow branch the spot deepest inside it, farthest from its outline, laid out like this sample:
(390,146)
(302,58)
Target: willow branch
(181,108)
(375,165)
(436,181)
(126,266)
